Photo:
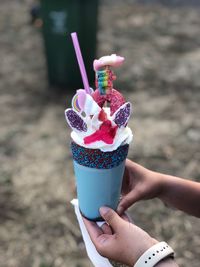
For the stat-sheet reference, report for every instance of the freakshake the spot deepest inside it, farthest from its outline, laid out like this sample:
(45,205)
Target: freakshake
(100,139)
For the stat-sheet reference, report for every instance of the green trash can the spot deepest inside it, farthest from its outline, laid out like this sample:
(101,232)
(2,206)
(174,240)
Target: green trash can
(60,18)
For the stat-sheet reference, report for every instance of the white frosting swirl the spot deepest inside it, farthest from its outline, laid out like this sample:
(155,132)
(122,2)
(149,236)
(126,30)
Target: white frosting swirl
(123,135)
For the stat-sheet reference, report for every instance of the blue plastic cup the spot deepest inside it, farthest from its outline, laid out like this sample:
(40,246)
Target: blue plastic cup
(97,188)
(98,178)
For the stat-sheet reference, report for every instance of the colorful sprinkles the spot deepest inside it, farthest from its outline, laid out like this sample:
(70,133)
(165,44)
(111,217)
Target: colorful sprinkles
(95,158)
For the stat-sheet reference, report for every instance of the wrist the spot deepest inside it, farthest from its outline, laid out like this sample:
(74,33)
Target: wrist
(167,262)
(161,182)
(133,257)
(155,255)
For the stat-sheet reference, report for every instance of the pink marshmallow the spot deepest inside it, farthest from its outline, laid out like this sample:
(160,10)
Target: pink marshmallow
(112,60)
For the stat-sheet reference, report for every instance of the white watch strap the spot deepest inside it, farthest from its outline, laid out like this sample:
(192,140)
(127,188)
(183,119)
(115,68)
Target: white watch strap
(154,254)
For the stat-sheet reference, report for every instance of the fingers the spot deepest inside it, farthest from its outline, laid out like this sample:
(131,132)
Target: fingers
(112,218)
(126,183)
(128,162)
(93,230)
(127,201)
(102,238)
(126,218)
(106,229)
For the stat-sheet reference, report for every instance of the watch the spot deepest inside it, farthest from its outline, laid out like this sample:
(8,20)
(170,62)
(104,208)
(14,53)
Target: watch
(154,254)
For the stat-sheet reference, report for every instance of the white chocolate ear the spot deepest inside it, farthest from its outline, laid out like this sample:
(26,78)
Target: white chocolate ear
(122,114)
(95,122)
(75,121)
(91,107)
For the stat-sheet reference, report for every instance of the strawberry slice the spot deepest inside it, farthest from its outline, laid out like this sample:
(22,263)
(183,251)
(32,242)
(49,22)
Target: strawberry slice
(102,115)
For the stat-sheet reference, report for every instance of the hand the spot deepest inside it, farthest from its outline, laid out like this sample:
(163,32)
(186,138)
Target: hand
(118,240)
(139,183)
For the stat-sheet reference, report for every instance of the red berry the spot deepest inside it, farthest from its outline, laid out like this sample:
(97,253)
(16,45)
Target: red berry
(102,115)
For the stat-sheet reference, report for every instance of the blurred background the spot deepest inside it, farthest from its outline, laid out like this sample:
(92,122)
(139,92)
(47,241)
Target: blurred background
(160,41)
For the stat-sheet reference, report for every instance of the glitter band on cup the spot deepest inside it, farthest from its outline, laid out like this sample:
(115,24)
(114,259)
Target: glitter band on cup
(95,158)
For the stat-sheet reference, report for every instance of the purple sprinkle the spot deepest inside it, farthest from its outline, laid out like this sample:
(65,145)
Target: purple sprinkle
(75,121)
(122,115)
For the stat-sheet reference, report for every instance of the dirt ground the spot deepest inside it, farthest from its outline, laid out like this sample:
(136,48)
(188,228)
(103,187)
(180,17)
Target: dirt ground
(161,77)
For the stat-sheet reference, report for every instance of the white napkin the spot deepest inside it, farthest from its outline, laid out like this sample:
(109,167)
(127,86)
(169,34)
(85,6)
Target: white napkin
(94,256)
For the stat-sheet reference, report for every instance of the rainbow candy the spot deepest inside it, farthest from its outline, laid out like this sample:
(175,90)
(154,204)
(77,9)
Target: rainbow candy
(104,80)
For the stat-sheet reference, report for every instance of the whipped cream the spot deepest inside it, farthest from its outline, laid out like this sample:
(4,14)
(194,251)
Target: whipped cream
(93,125)
(123,135)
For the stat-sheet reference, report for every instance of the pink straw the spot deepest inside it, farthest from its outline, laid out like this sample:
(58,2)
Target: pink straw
(80,62)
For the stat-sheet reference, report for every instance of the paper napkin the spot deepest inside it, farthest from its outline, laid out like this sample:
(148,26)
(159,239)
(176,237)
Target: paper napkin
(95,257)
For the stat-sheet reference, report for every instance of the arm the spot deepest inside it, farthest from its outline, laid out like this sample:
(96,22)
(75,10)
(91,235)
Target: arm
(140,183)
(180,193)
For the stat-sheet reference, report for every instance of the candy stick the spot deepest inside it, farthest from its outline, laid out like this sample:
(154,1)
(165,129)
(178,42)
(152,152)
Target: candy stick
(80,62)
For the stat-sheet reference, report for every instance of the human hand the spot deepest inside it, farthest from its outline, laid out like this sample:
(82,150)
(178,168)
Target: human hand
(118,240)
(139,183)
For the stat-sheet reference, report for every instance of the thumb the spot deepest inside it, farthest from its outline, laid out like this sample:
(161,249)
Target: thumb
(127,201)
(111,217)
